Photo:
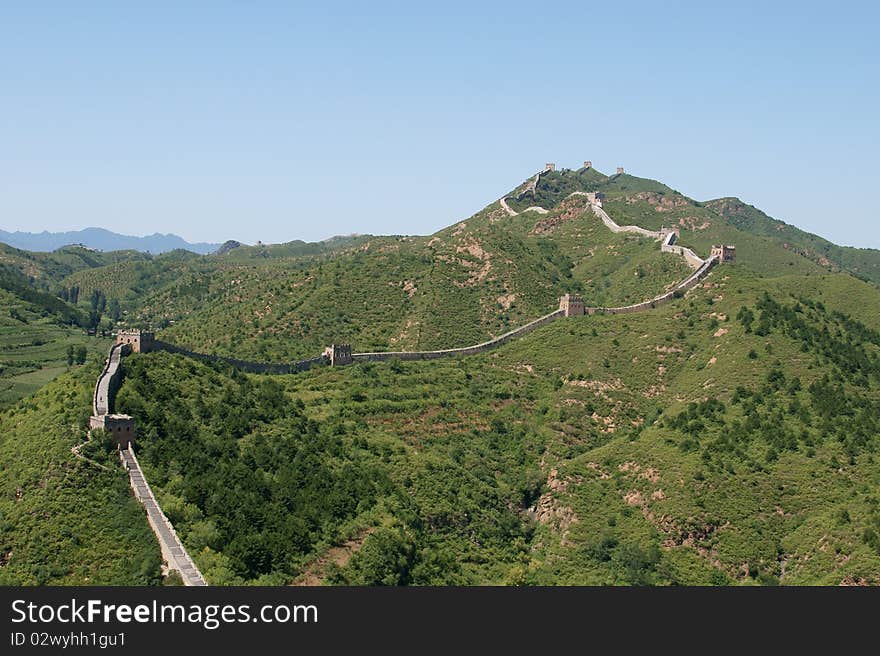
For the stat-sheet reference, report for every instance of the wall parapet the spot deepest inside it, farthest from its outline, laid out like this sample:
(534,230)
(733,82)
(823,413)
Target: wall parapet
(686,284)
(613,227)
(173,551)
(464,350)
(106,387)
(108,381)
(243,365)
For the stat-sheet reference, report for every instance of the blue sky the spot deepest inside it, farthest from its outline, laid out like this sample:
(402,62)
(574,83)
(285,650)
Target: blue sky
(279,121)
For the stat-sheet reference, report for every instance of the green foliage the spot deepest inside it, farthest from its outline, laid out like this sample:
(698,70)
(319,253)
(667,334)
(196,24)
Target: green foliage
(863,262)
(62,520)
(35,348)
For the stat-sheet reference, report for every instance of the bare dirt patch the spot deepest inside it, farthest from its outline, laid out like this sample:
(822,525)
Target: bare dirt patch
(338,555)
(549,510)
(506,301)
(569,209)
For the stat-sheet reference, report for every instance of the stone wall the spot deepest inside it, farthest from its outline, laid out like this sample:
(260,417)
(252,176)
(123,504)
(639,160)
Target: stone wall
(531,188)
(466,350)
(611,225)
(123,430)
(173,551)
(572,305)
(121,427)
(108,381)
(140,341)
(243,365)
(686,284)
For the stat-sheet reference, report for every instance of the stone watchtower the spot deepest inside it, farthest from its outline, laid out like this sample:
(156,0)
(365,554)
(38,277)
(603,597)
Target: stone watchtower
(588,164)
(121,427)
(338,354)
(572,305)
(619,170)
(140,341)
(549,166)
(724,253)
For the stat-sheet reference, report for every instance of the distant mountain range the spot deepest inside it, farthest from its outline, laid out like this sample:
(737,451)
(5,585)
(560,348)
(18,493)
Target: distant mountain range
(102,240)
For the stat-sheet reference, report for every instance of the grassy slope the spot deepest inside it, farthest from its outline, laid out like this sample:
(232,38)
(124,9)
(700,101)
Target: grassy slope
(33,342)
(64,522)
(459,450)
(47,270)
(863,262)
(462,285)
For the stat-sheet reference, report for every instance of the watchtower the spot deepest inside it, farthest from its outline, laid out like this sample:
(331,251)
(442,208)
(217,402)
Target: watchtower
(549,166)
(724,253)
(121,427)
(588,164)
(572,305)
(338,354)
(619,170)
(140,341)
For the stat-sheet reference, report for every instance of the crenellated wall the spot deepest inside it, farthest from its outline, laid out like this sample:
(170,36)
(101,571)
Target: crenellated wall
(173,551)
(465,350)
(243,365)
(613,227)
(106,387)
(108,382)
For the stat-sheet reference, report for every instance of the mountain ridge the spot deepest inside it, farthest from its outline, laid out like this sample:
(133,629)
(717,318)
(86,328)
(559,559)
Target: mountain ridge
(103,240)
(728,437)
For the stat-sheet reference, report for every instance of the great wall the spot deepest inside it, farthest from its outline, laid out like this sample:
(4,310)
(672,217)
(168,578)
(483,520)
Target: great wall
(122,427)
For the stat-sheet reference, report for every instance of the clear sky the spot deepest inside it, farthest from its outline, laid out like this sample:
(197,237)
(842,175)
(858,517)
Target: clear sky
(276,121)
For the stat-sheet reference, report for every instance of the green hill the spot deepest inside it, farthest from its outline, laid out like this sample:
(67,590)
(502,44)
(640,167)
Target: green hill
(39,334)
(728,437)
(861,262)
(63,521)
(45,271)
(461,285)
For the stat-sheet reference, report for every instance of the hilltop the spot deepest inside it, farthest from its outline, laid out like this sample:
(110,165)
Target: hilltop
(466,283)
